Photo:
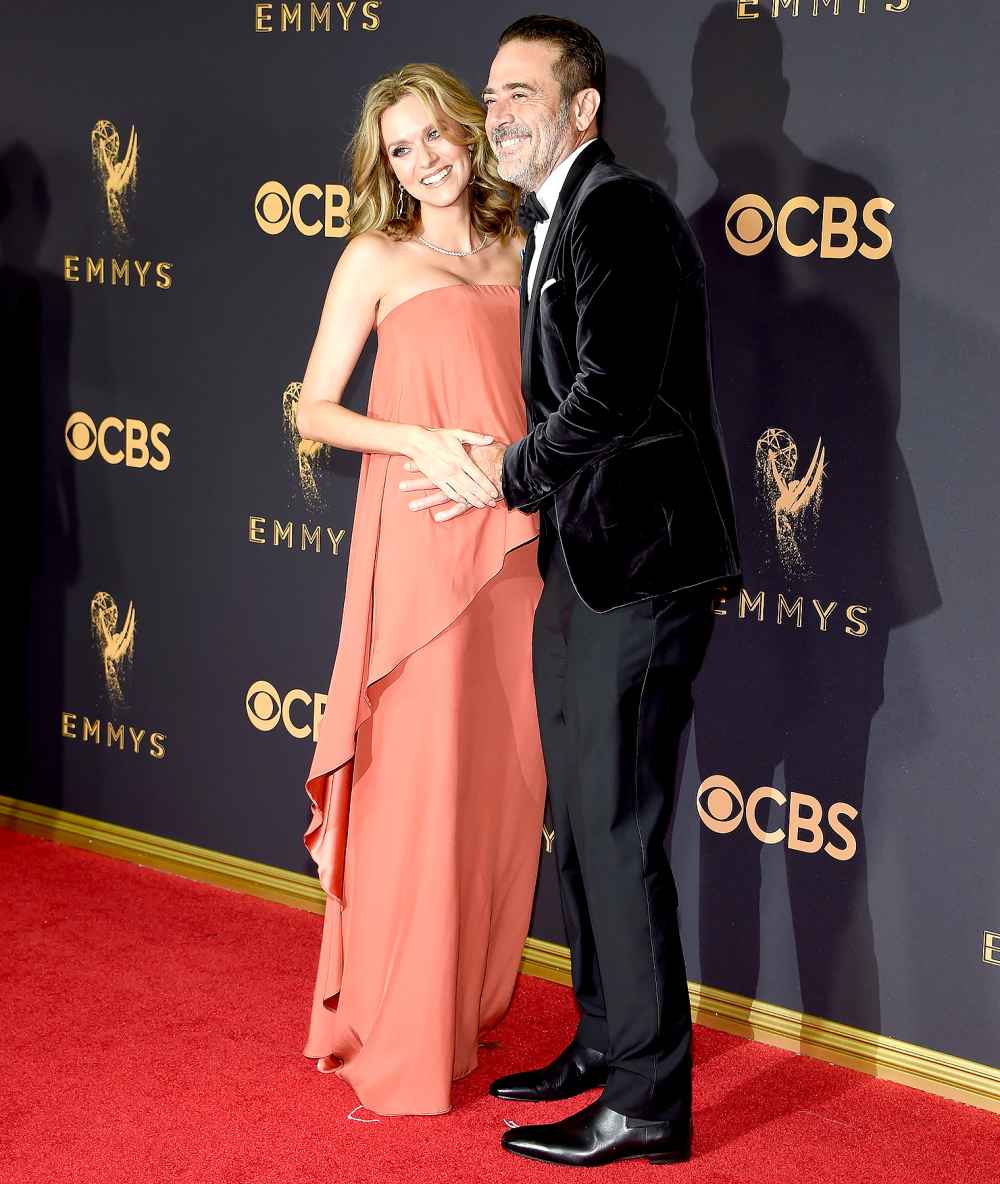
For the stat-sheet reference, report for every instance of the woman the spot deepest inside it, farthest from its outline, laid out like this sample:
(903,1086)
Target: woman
(427,784)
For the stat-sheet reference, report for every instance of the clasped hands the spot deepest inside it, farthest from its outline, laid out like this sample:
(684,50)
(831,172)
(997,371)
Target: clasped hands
(463,468)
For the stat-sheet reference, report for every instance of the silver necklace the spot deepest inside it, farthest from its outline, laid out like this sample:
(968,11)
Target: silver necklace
(445,251)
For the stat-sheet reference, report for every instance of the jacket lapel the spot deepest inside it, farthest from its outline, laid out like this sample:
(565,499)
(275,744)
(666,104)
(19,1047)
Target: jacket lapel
(590,156)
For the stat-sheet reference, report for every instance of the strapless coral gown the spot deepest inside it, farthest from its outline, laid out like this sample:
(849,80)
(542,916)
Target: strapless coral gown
(427,785)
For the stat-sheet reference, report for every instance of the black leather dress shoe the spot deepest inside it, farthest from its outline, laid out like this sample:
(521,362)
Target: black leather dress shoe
(597,1136)
(574,1070)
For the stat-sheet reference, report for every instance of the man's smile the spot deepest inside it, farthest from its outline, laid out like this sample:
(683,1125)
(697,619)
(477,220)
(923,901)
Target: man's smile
(509,144)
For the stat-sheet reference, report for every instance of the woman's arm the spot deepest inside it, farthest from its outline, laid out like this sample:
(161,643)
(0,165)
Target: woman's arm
(359,281)
(348,318)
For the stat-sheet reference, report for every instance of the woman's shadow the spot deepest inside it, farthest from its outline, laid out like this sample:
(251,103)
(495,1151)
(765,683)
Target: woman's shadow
(807,348)
(43,531)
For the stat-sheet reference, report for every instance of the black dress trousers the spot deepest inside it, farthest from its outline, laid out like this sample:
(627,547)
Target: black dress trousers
(614,696)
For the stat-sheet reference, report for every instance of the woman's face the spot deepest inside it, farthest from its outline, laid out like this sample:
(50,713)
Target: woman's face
(430,167)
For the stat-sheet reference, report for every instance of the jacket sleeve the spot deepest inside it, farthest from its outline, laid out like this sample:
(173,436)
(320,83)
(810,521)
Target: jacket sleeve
(627,281)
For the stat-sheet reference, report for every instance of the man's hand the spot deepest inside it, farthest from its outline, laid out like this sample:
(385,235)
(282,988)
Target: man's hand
(491,461)
(488,458)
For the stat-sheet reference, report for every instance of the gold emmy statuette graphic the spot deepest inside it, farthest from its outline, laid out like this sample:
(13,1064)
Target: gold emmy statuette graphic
(795,503)
(117,177)
(308,453)
(116,645)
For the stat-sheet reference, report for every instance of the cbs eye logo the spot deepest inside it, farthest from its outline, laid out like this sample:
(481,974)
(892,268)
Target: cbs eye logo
(118,440)
(275,207)
(721,808)
(267,707)
(751,224)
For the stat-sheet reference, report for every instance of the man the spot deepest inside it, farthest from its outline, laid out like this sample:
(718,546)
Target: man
(624,461)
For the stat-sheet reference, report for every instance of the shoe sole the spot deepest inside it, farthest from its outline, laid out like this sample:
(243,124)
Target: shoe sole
(559,1097)
(669,1157)
(659,1158)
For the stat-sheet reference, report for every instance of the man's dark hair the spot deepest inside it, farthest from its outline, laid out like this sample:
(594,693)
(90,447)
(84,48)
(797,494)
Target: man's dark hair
(581,63)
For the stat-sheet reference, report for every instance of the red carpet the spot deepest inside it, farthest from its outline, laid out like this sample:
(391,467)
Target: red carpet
(152,1030)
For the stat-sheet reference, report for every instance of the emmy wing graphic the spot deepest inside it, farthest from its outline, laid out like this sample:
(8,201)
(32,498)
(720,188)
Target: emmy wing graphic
(794,504)
(116,645)
(307,452)
(116,176)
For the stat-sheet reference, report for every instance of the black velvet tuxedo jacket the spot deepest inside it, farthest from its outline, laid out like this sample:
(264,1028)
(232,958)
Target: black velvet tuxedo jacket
(623,443)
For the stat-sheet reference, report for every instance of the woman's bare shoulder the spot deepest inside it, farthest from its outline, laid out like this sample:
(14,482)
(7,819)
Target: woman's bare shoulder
(370,265)
(370,249)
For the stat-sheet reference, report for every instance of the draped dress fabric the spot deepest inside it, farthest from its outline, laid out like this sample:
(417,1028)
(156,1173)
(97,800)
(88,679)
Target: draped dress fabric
(427,785)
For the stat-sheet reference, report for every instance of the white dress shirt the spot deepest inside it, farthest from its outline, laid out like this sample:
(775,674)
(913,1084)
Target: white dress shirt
(548,194)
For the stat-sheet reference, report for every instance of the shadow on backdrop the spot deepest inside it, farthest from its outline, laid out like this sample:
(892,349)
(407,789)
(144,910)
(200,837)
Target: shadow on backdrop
(43,525)
(636,126)
(806,353)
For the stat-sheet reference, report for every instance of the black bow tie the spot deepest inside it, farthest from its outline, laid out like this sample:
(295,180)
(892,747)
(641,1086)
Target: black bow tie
(530,212)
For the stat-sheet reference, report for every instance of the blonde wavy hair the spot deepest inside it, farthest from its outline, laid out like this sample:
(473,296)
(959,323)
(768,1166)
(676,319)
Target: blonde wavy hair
(492,201)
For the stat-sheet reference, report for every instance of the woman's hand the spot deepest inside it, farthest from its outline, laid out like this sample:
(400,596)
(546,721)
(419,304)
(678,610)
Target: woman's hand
(437,498)
(441,455)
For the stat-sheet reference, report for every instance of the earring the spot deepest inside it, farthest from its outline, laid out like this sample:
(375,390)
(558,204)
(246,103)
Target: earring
(399,204)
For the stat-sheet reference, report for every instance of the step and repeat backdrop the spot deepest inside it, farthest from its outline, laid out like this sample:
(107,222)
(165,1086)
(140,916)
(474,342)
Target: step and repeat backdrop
(173,199)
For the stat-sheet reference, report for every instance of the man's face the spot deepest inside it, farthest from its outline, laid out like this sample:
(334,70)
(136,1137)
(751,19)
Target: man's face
(526,120)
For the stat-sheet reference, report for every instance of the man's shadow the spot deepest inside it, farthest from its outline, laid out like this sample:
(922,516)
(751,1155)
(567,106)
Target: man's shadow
(43,529)
(806,355)
(635,124)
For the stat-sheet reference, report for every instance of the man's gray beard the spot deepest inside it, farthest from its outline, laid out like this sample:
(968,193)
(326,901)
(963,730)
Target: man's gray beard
(544,154)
